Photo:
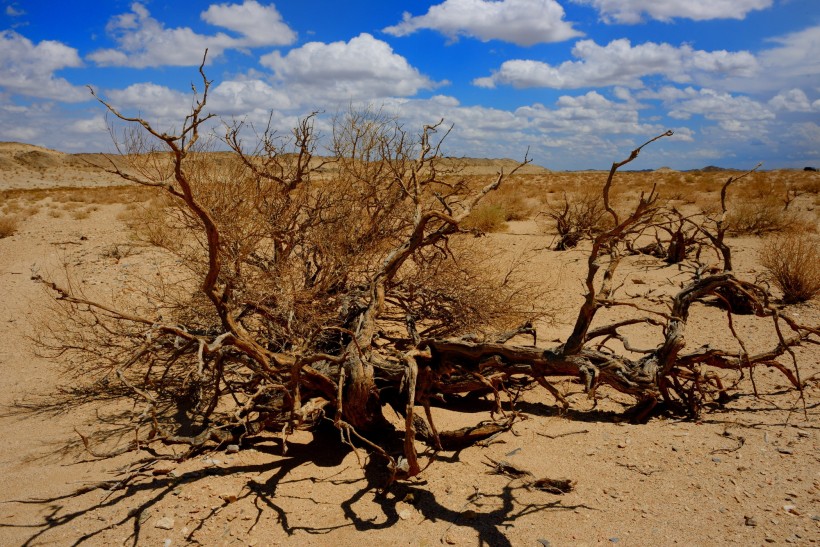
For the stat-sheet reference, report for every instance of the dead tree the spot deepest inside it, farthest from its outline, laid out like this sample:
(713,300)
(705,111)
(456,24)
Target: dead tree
(326,289)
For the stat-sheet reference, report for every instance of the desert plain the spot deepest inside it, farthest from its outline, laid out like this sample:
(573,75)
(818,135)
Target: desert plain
(745,472)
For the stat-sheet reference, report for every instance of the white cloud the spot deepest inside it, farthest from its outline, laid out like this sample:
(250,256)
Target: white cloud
(794,100)
(522,22)
(632,11)
(621,63)
(12,11)
(260,25)
(239,97)
(796,59)
(28,69)
(159,104)
(733,113)
(95,125)
(364,67)
(591,113)
(144,42)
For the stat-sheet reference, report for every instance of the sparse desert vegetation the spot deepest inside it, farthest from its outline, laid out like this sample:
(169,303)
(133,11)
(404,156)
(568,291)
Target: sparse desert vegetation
(477,311)
(792,262)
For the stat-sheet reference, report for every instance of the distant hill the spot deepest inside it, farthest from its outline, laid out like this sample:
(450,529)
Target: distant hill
(28,166)
(714,169)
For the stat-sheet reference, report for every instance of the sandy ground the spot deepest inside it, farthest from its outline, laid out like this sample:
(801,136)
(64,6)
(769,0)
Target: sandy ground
(747,474)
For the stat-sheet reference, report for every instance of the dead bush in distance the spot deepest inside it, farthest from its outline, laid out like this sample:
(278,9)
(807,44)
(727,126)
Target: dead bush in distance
(792,263)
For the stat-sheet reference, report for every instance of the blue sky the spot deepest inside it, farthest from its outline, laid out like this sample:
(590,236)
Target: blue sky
(578,82)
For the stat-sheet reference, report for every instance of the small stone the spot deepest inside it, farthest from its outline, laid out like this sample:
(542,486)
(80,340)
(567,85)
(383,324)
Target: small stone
(232,449)
(543,542)
(228,498)
(716,460)
(614,540)
(770,540)
(165,523)
(405,513)
(450,538)
(167,542)
(785,451)
(791,509)
(750,521)
(409,498)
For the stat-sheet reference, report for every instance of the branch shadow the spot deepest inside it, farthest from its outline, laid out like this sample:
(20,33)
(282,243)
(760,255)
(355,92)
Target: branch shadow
(323,450)
(489,524)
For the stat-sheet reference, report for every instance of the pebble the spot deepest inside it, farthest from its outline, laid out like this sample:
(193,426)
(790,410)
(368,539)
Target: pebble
(232,449)
(716,460)
(165,523)
(750,521)
(785,451)
(405,514)
(543,542)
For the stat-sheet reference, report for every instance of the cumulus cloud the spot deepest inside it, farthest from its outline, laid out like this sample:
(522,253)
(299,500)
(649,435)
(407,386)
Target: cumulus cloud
(734,113)
(95,126)
(145,42)
(522,22)
(793,100)
(152,101)
(621,63)
(239,97)
(632,11)
(259,25)
(28,69)
(591,113)
(363,67)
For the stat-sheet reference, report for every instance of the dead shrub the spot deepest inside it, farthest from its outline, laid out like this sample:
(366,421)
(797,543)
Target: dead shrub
(9,226)
(758,218)
(791,261)
(581,215)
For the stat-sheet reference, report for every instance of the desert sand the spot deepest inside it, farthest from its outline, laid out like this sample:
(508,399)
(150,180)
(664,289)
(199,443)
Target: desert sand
(744,474)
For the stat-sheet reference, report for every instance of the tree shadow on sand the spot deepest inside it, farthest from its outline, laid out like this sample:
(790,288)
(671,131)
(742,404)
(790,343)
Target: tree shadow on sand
(488,514)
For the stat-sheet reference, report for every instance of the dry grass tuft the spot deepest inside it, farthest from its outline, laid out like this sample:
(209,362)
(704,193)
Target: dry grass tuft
(759,217)
(488,217)
(792,262)
(9,226)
